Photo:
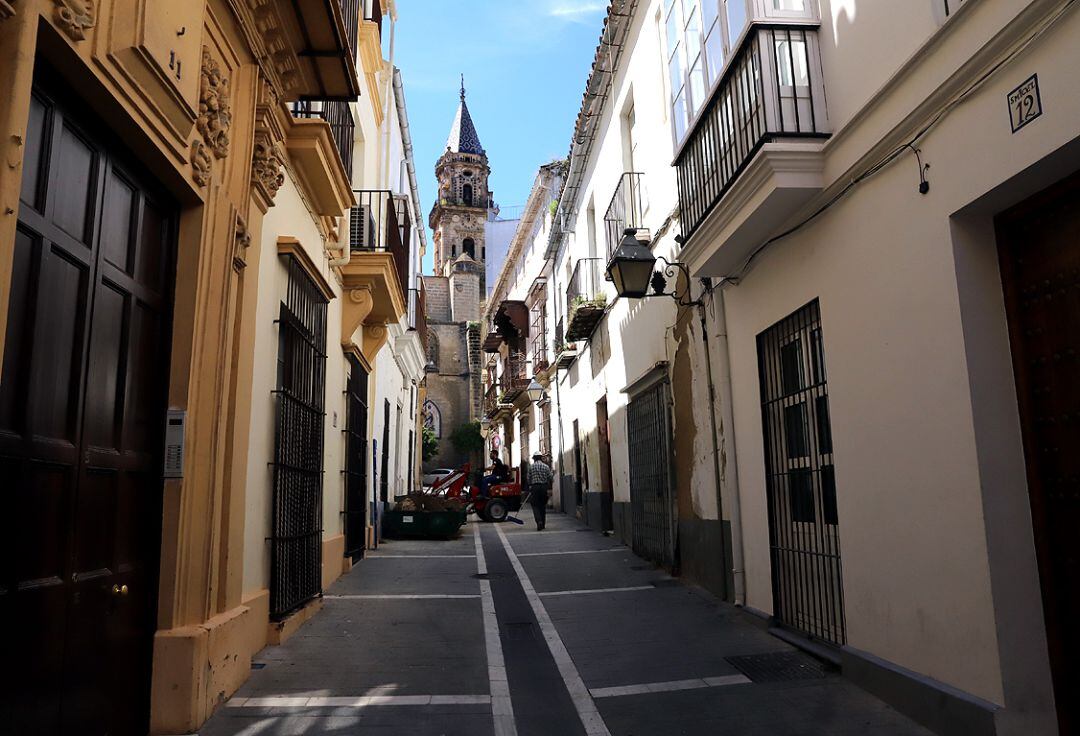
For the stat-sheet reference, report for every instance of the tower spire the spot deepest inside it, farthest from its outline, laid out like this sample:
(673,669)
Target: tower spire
(463,137)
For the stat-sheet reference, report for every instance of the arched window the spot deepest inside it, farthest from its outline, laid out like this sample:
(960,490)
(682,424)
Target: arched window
(468,246)
(466,195)
(433,418)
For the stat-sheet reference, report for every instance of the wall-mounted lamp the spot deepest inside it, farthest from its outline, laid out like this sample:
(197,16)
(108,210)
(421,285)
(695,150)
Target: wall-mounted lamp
(633,271)
(534,390)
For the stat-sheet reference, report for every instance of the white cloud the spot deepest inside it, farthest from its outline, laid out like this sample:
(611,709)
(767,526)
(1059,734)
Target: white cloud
(576,12)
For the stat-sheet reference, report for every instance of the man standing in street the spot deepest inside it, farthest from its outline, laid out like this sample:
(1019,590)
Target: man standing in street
(540,477)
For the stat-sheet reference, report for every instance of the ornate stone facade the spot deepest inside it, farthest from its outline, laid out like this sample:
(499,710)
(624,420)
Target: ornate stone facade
(215,113)
(76,17)
(266,165)
(201,163)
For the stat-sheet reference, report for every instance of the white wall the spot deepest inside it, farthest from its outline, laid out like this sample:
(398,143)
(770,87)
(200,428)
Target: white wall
(497,237)
(913,488)
(289,217)
(635,335)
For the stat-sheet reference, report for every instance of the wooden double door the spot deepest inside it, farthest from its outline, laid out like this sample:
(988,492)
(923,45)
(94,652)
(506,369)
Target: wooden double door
(1039,248)
(82,404)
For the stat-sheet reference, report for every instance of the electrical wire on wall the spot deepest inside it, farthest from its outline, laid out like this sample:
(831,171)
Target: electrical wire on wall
(910,145)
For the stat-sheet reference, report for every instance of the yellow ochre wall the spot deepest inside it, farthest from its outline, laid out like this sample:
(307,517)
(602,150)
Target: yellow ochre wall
(214,129)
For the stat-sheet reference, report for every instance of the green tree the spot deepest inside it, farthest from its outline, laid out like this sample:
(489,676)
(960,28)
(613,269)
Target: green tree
(431,444)
(467,439)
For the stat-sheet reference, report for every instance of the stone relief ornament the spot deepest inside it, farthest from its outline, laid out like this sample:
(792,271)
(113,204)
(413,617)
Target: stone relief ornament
(215,115)
(266,167)
(241,243)
(201,163)
(75,17)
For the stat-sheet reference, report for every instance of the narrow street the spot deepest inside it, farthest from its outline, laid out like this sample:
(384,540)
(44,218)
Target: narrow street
(505,630)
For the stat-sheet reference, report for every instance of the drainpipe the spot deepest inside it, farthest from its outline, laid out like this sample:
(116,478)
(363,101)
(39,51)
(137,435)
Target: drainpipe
(734,505)
(558,397)
(410,165)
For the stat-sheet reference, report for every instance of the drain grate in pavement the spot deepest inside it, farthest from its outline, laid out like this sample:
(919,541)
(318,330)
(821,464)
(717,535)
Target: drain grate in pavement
(780,667)
(519,631)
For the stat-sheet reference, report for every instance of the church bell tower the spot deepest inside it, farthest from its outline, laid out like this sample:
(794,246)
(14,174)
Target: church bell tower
(465,200)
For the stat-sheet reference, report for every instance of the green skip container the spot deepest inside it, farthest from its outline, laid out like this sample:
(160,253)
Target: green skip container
(433,524)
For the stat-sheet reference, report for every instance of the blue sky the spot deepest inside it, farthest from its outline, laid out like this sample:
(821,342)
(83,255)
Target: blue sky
(525,64)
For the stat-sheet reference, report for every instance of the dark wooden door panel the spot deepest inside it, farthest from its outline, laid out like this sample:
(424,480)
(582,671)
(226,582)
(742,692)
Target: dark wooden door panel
(16,362)
(1039,246)
(74,177)
(58,346)
(36,143)
(82,400)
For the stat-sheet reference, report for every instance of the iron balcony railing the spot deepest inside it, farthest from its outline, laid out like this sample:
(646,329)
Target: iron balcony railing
(586,285)
(586,299)
(377,224)
(545,430)
(418,314)
(771,90)
(340,119)
(539,339)
(625,210)
(491,398)
(514,378)
(350,14)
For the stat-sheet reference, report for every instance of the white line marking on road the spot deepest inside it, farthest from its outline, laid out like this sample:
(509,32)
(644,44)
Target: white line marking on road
(583,702)
(401,597)
(502,709)
(364,701)
(590,591)
(571,552)
(419,557)
(672,686)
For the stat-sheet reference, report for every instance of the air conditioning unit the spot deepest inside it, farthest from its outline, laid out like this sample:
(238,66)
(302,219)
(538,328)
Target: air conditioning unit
(361,228)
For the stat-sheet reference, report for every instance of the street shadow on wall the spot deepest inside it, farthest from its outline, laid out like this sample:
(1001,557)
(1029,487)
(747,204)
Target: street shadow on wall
(600,346)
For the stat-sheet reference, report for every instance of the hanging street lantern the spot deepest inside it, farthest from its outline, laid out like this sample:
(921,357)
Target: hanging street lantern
(631,266)
(534,390)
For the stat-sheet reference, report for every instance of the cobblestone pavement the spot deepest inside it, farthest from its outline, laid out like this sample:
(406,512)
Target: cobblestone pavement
(508,631)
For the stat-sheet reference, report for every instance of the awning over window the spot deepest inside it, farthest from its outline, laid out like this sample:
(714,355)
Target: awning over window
(512,320)
(510,324)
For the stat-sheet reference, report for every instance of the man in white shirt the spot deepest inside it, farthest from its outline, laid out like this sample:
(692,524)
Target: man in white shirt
(540,478)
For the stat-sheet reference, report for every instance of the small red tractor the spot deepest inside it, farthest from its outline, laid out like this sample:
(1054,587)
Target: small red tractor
(502,498)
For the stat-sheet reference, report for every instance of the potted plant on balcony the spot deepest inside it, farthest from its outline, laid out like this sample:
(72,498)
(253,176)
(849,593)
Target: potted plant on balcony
(585,314)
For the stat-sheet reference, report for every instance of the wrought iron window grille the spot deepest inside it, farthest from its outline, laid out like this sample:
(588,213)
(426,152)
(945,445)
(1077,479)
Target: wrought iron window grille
(296,524)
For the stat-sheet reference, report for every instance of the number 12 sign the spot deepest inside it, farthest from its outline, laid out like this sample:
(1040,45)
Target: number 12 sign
(1024,103)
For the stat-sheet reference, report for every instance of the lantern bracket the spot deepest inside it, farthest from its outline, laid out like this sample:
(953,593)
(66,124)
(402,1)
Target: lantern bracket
(670,271)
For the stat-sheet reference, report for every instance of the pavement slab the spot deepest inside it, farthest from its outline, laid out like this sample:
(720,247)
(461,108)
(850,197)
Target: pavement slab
(401,647)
